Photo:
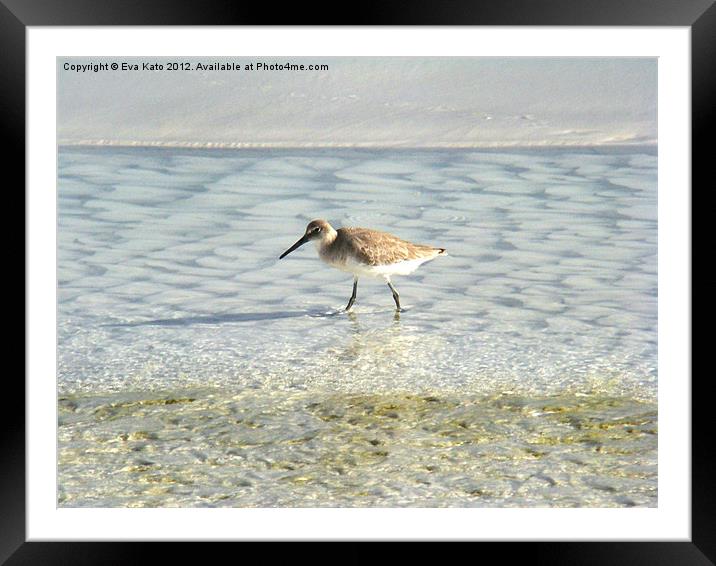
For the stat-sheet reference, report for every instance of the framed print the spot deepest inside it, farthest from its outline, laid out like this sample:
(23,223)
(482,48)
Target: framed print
(488,338)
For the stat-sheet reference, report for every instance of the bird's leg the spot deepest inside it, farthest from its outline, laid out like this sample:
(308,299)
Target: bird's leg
(396,297)
(353,296)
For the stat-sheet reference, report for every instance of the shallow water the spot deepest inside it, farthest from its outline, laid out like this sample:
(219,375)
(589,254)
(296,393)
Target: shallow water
(195,368)
(261,448)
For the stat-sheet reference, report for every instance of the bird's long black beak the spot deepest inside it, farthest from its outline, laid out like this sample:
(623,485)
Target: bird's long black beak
(294,246)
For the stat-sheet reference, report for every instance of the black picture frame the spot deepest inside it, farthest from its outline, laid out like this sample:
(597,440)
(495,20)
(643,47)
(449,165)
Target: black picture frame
(16,15)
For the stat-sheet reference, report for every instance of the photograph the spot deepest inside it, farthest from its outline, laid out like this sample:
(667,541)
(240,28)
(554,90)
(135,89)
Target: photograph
(357,281)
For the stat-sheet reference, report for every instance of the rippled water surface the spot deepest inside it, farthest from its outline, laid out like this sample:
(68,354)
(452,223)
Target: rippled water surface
(195,368)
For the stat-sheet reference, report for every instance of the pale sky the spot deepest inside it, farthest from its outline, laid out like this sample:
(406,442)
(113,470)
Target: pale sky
(410,101)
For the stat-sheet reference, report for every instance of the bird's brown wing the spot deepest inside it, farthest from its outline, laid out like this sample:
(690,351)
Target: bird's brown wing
(381,248)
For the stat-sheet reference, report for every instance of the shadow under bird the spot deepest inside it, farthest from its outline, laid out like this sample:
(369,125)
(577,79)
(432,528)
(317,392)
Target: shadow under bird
(365,252)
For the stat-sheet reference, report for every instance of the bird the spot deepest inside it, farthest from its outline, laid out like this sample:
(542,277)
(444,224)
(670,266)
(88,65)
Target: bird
(366,252)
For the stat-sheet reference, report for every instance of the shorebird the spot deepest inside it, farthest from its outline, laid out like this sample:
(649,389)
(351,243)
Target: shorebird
(361,251)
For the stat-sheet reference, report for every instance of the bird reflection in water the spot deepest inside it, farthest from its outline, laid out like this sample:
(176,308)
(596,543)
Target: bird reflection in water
(377,348)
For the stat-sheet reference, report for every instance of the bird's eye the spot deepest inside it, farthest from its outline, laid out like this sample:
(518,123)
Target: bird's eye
(318,228)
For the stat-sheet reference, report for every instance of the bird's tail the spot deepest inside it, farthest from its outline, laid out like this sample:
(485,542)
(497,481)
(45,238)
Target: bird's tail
(442,251)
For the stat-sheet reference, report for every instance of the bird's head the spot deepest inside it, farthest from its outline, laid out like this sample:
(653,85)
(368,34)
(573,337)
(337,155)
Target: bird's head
(316,230)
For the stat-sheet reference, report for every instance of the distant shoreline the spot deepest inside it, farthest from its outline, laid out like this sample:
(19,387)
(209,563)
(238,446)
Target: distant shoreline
(652,144)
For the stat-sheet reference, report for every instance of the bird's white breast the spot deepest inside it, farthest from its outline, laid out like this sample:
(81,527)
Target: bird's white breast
(360,269)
